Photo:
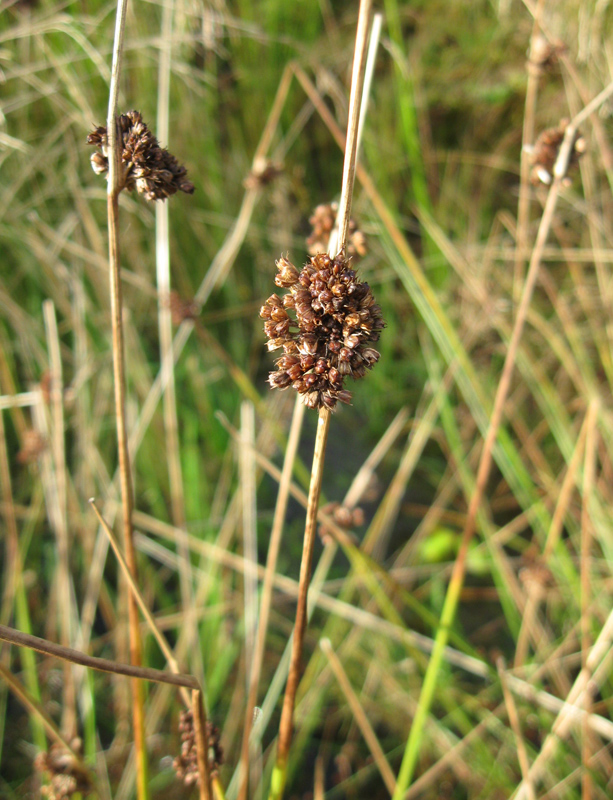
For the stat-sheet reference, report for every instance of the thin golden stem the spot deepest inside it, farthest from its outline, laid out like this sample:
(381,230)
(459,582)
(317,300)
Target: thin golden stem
(279,776)
(287,712)
(587,742)
(266,601)
(202,745)
(114,186)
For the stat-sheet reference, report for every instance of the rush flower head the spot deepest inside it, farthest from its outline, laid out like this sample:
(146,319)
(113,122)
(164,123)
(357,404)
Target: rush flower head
(148,168)
(336,320)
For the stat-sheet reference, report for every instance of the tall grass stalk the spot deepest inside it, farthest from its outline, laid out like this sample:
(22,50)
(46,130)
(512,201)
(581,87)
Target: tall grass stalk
(286,724)
(114,187)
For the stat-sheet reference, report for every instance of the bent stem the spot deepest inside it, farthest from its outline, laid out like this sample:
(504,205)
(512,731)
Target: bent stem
(279,775)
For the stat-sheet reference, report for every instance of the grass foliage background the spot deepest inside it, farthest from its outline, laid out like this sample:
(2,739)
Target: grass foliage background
(442,143)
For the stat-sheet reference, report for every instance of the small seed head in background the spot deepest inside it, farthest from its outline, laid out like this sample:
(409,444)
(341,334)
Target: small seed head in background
(544,154)
(262,174)
(344,517)
(64,773)
(336,321)
(323,221)
(186,764)
(148,168)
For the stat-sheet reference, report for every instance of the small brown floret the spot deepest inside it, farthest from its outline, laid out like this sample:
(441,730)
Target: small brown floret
(322,221)
(545,153)
(344,517)
(186,764)
(64,772)
(336,320)
(148,168)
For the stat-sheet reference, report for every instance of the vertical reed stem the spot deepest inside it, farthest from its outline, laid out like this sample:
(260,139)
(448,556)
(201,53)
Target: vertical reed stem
(287,713)
(279,775)
(114,186)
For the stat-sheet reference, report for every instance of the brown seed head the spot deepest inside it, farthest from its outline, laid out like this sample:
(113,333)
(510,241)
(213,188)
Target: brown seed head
(186,764)
(322,221)
(148,168)
(336,320)
(545,153)
(63,771)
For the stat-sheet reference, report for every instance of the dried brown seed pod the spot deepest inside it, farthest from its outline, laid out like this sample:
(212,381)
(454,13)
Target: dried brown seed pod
(336,320)
(147,167)
(186,764)
(263,174)
(545,152)
(322,222)
(344,517)
(65,774)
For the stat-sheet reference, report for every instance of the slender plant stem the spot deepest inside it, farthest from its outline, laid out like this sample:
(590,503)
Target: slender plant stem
(360,716)
(485,462)
(36,708)
(114,187)
(286,724)
(534,70)
(587,740)
(266,601)
(287,713)
(202,744)
(164,647)
(102,664)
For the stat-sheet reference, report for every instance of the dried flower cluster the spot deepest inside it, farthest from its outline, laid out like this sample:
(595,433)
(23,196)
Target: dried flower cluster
(148,168)
(545,153)
(323,221)
(65,774)
(186,764)
(336,320)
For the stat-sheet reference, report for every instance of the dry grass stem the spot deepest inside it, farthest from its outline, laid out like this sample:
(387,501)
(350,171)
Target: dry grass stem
(164,647)
(360,716)
(102,664)
(114,186)
(522,755)
(267,589)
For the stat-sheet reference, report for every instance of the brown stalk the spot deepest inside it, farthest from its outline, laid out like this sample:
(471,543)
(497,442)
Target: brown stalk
(114,186)
(279,775)
(195,701)
(136,672)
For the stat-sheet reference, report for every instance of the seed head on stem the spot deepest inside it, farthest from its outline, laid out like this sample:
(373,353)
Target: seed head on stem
(336,320)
